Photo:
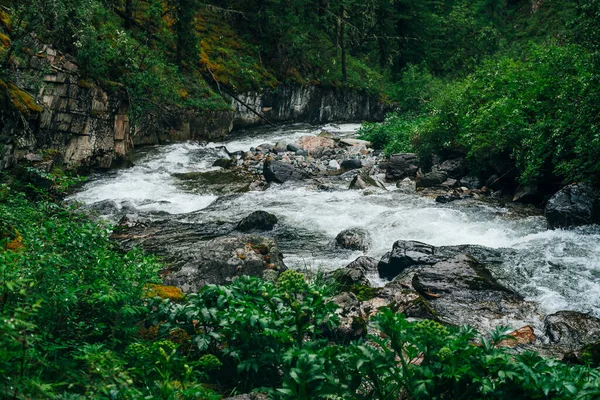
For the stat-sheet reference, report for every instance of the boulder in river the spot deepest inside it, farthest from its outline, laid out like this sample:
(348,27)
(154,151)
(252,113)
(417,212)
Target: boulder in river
(572,330)
(404,254)
(220,260)
(258,220)
(455,167)
(315,144)
(354,239)
(574,205)
(221,182)
(355,273)
(280,172)
(460,291)
(351,164)
(199,254)
(363,181)
(402,165)
(431,179)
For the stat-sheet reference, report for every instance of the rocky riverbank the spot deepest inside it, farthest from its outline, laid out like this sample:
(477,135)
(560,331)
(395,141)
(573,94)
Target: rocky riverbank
(455,285)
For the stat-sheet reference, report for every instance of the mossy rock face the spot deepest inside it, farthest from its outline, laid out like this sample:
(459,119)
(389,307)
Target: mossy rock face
(172,293)
(19,100)
(219,182)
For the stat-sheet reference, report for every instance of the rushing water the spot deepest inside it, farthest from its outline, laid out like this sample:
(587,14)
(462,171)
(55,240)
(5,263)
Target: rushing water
(559,269)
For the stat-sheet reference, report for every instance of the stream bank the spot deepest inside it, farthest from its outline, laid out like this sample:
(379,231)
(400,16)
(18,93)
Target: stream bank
(179,205)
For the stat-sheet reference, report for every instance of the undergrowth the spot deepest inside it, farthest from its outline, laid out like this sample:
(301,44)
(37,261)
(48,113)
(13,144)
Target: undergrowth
(82,319)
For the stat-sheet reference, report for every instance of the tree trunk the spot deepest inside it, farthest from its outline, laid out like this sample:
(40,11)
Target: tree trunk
(343,44)
(128,14)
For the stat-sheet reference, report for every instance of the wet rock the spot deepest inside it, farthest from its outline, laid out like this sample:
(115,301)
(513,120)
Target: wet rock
(364,181)
(280,172)
(471,182)
(293,147)
(280,147)
(219,182)
(527,194)
(571,330)
(431,179)
(265,147)
(223,163)
(355,273)
(354,142)
(333,165)
(220,260)
(258,220)
(462,291)
(353,239)
(455,167)
(447,198)
(352,322)
(402,165)
(351,164)
(405,254)
(573,205)
(406,185)
(314,143)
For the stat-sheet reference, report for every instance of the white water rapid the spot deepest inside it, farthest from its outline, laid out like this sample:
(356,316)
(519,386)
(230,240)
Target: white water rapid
(556,268)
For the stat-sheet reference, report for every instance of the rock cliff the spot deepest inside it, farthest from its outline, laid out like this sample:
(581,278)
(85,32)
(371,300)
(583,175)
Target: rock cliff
(88,124)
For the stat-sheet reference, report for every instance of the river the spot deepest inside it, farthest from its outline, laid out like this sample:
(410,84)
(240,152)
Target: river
(558,269)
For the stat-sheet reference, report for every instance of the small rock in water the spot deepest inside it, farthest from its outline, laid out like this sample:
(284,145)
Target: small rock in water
(333,164)
(280,147)
(351,164)
(258,220)
(353,239)
(293,147)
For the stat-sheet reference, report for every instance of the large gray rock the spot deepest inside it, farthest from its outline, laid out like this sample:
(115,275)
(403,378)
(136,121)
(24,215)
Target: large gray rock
(455,167)
(280,172)
(355,273)
(354,239)
(351,164)
(220,260)
(573,205)
(431,179)
(352,322)
(571,330)
(201,254)
(462,291)
(402,165)
(221,182)
(363,181)
(405,254)
(258,220)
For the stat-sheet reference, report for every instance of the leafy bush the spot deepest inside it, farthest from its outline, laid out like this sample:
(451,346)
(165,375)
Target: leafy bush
(66,286)
(394,135)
